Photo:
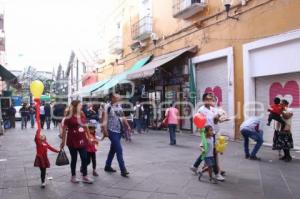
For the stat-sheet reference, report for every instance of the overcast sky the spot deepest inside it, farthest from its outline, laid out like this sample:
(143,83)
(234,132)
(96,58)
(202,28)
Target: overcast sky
(42,33)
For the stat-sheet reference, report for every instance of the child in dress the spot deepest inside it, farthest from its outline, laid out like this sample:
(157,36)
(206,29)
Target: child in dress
(41,159)
(91,148)
(209,154)
(276,110)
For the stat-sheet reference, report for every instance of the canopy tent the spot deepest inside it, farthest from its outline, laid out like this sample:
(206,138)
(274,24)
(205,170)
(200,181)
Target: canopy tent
(88,90)
(8,77)
(149,69)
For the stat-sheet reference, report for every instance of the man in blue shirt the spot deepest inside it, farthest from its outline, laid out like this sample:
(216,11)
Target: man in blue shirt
(252,128)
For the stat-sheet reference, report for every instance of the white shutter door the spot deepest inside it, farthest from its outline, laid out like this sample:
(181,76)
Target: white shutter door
(284,86)
(212,76)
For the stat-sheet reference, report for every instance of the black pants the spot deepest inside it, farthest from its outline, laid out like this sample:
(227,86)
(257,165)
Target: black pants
(287,153)
(216,166)
(91,156)
(83,156)
(278,118)
(42,118)
(43,174)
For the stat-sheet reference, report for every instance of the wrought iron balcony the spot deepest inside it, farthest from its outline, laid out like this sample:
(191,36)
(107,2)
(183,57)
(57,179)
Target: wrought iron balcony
(116,45)
(142,29)
(187,8)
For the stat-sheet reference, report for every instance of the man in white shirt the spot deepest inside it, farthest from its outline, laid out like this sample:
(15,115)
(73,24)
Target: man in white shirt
(252,128)
(212,118)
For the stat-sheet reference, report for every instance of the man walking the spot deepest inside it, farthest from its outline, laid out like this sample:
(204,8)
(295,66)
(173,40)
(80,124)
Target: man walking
(138,116)
(252,128)
(12,116)
(113,122)
(48,115)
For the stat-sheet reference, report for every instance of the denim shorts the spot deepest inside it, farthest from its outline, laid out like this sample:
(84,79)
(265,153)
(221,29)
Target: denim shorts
(210,161)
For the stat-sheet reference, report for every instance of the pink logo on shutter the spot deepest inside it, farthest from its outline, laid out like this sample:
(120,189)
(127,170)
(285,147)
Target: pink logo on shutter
(217,91)
(290,92)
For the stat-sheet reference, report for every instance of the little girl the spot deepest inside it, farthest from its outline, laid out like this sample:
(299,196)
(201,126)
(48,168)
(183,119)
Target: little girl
(41,159)
(91,147)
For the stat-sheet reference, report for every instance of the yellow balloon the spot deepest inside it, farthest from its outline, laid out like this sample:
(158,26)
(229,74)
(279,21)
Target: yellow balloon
(36,88)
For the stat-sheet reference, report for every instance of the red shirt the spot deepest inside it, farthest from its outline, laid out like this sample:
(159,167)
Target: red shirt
(277,109)
(76,135)
(42,146)
(91,147)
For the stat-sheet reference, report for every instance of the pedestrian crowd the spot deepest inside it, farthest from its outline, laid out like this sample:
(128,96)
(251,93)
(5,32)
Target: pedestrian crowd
(78,129)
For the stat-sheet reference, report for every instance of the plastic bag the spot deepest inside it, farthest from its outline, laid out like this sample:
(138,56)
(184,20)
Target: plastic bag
(62,158)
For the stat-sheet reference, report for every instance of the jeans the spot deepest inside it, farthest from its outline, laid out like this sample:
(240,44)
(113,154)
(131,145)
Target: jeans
(115,148)
(83,156)
(42,118)
(198,161)
(256,136)
(48,121)
(172,131)
(24,122)
(138,125)
(32,120)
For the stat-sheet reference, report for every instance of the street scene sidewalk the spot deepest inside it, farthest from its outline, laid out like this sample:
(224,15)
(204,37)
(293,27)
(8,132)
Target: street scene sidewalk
(157,170)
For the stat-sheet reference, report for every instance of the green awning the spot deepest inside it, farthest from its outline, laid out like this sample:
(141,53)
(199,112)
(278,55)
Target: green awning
(88,90)
(123,76)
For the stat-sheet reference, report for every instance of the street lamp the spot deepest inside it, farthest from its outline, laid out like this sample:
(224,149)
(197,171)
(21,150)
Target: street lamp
(227,4)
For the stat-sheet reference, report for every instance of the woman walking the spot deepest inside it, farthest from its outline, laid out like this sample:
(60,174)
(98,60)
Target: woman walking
(172,115)
(77,140)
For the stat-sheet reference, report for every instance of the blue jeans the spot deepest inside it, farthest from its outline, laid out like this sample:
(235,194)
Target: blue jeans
(115,148)
(172,131)
(256,136)
(83,156)
(138,125)
(32,120)
(24,122)
(48,121)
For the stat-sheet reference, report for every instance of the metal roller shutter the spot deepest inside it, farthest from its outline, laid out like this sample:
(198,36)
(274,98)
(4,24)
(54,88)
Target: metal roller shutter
(284,86)
(213,76)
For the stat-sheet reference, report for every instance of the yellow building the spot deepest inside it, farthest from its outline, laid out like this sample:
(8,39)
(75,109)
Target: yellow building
(248,54)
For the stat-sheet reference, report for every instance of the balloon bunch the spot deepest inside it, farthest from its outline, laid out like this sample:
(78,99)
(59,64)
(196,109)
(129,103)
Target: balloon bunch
(37,89)
(221,144)
(200,121)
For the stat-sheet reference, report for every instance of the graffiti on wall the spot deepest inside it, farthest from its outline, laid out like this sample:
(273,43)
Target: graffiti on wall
(290,91)
(217,91)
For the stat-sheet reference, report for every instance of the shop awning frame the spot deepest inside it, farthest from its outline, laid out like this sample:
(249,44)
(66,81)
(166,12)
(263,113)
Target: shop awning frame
(149,69)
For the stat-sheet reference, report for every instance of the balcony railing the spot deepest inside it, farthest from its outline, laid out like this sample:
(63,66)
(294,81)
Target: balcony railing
(142,29)
(115,45)
(187,8)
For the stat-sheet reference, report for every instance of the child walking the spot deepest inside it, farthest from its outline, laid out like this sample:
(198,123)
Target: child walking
(91,147)
(41,159)
(209,154)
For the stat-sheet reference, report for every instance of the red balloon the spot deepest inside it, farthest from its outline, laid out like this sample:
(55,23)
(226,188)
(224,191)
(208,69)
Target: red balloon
(199,120)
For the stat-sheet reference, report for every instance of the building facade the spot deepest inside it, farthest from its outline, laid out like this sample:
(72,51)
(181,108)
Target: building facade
(246,51)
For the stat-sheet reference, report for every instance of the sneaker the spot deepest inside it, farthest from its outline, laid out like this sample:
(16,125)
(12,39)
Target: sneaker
(125,174)
(219,177)
(95,173)
(194,169)
(247,156)
(268,124)
(87,180)
(213,181)
(254,158)
(109,169)
(200,175)
(74,179)
(43,185)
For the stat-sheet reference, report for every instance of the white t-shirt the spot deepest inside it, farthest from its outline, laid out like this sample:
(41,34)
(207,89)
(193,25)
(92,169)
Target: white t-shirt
(210,114)
(210,151)
(252,123)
